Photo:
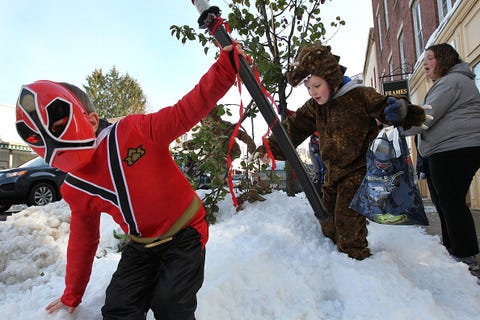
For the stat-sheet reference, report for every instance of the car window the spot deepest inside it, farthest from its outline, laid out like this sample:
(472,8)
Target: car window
(35,162)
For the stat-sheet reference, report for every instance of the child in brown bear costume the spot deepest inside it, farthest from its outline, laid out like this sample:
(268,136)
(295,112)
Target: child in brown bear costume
(344,113)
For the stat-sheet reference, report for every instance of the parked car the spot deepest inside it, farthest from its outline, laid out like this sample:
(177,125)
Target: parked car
(34,183)
(278,177)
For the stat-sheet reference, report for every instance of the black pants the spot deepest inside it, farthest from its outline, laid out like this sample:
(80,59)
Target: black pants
(165,278)
(449,176)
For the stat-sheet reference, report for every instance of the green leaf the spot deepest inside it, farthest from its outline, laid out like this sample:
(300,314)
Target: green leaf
(271,32)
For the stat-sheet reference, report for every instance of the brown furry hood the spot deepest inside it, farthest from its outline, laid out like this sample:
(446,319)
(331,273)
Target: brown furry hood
(316,59)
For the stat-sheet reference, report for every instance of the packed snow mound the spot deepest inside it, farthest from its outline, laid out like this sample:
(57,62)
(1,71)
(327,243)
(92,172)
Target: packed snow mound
(268,261)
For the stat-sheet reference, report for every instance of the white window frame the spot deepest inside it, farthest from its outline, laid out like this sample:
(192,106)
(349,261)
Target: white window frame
(417,28)
(390,67)
(402,55)
(385,9)
(380,34)
(443,7)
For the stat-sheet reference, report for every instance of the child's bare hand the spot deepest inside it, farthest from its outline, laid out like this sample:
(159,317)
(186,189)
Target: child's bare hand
(237,46)
(56,305)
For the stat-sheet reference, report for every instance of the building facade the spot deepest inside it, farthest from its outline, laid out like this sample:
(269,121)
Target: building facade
(402,30)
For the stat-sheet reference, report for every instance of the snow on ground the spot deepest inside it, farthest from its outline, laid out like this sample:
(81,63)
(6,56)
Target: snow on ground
(269,261)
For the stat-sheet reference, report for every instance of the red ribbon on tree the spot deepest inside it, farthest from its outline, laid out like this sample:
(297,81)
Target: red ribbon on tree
(219,22)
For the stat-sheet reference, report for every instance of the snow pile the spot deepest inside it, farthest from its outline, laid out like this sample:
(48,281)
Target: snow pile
(270,261)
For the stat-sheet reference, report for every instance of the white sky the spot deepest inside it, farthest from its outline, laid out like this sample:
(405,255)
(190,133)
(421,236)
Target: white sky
(267,262)
(66,40)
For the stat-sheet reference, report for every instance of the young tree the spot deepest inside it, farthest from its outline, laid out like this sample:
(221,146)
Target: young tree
(114,95)
(203,159)
(271,32)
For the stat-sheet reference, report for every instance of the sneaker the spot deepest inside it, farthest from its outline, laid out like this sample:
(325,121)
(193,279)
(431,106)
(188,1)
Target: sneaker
(389,218)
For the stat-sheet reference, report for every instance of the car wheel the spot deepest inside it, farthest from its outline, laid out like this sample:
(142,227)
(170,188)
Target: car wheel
(4,207)
(41,194)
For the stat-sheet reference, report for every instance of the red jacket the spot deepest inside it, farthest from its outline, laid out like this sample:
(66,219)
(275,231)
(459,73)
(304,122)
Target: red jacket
(133,177)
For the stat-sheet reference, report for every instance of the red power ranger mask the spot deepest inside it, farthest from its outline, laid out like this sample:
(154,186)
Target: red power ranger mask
(53,122)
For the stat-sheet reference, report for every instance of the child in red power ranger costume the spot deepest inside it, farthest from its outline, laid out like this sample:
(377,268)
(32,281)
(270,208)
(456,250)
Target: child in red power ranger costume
(128,172)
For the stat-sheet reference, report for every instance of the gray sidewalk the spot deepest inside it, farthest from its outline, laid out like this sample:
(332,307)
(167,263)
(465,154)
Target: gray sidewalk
(434,227)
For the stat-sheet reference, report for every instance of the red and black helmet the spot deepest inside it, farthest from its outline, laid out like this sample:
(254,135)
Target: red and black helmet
(54,123)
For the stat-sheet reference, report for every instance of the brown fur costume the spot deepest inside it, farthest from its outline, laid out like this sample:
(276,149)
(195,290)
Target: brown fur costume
(317,60)
(346,126)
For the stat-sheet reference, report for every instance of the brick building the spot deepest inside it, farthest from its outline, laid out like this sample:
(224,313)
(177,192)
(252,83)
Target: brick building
(402,30)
